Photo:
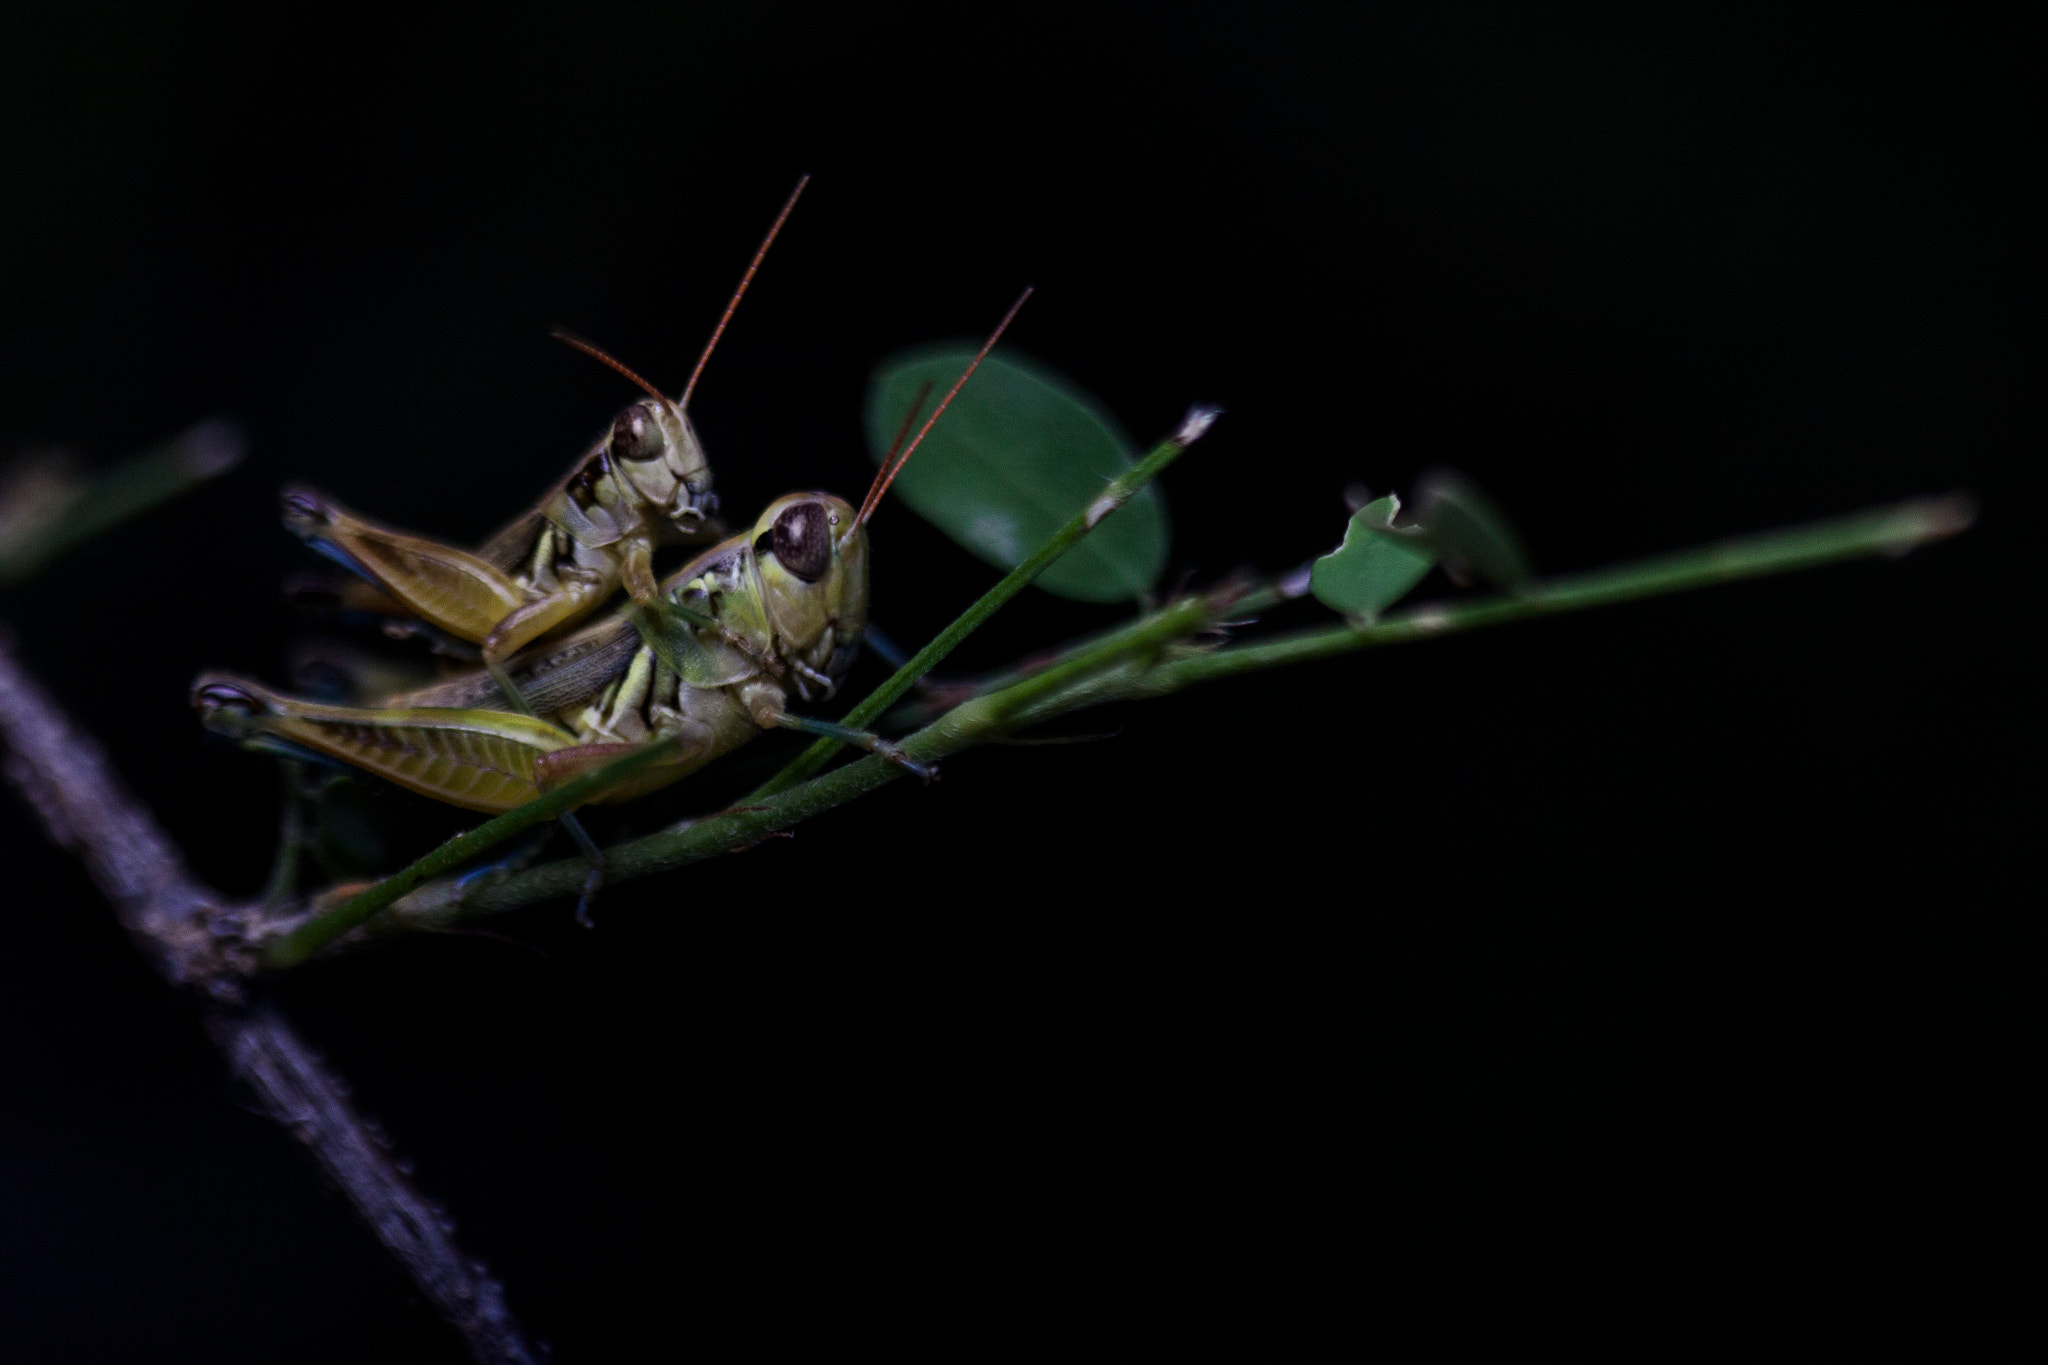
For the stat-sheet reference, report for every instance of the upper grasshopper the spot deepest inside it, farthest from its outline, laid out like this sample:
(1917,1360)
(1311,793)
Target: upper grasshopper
(644,481)
(773,613)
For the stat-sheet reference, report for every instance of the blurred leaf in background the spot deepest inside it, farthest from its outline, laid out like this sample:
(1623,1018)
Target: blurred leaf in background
(1471,535)
(1019,453)
(48,504)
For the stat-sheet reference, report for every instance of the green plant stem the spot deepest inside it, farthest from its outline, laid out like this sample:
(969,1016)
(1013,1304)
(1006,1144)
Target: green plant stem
(1139,641)
(1256,600)
(1120,491)
(1145,659)
(302,941)
(1886,530)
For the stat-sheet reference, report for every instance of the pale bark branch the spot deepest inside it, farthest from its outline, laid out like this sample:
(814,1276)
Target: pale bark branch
(199,941)
(64,776)
(300,1093)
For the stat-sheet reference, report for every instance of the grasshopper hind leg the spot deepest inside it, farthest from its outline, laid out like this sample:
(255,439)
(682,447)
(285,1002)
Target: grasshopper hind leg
(458,592)
(481,760)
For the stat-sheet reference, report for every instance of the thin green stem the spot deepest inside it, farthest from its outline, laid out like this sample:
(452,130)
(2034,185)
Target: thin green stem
(301,942)
(1255,601)
(1886,530)
(1143,638)
(1120,491)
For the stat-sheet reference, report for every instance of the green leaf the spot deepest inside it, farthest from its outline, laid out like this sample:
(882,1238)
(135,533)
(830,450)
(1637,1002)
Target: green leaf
(1469,532)
(1375,566)
(1019,452)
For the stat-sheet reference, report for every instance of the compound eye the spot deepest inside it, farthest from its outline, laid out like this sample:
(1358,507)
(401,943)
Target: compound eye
(637,435)
(802,540)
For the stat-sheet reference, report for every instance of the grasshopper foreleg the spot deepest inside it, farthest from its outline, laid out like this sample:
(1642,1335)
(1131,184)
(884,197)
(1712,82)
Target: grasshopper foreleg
(768,705)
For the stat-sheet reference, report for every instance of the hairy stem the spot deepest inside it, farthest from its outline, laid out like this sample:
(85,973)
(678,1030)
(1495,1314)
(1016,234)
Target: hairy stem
(267,1054)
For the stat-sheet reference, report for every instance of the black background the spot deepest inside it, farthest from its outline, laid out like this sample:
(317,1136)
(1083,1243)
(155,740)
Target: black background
(1628,984)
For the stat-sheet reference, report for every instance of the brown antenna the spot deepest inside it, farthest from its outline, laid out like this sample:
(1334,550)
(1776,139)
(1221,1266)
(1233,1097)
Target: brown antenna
(597,353)
(745,280)
(887,474)
(924,391)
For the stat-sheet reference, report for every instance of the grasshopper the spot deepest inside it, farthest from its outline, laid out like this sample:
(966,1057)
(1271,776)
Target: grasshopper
(644,481)
(777,610)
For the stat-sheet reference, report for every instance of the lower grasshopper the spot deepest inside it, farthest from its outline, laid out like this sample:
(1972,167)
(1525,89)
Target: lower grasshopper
(777,611)
(645,481)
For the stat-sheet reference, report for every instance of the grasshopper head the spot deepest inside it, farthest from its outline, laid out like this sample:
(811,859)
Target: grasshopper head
(813,563)
(653,444)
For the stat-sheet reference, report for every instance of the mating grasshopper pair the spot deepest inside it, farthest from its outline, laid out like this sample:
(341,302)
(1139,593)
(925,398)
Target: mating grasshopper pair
(704,659)
(730,637)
